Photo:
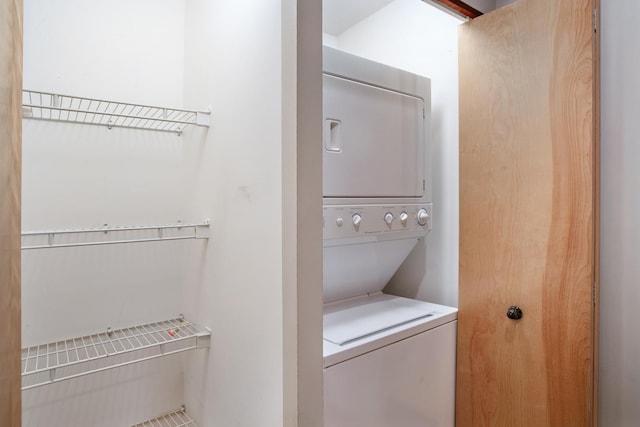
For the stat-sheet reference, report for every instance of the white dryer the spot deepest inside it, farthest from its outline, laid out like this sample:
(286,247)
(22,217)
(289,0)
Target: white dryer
(388,360)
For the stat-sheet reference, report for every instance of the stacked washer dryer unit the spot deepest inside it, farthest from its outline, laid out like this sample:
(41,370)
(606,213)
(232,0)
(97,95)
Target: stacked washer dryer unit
(388,360)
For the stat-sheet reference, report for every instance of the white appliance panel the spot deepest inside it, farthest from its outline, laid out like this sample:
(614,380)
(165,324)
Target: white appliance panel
(402,220)
(410,384)
(374,141)
(358,269)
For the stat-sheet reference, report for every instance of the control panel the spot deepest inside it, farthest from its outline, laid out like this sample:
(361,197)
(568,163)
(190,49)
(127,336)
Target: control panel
(341,221)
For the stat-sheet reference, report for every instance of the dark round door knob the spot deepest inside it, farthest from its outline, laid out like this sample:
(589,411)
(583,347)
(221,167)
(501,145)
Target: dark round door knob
(514,312)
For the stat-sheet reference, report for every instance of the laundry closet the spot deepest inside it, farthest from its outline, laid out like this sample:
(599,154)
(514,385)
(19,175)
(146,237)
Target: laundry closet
(527,80)
(172,204)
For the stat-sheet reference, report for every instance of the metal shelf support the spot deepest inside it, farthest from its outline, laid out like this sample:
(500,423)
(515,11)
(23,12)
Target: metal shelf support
(66,108)
(179,418)
(64,360)
(113,235)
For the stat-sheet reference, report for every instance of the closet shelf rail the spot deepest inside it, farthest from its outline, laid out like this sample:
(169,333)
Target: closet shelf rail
(179,418)
(66,108)
(72,358)
(113,235)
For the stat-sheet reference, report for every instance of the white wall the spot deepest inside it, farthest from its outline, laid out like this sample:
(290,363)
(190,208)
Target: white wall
(77,176)
(227,55)
(501,3)
(416,37)
(118,49)
(620,217)
(482,5)
(233,59)
(302,237)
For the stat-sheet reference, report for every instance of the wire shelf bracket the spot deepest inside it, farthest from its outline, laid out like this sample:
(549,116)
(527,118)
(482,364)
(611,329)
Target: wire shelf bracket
(66,108)
(72,358)
(109,235)
(179,418)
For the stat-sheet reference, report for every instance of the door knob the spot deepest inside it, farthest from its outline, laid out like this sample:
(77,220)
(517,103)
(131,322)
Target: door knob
(514,312)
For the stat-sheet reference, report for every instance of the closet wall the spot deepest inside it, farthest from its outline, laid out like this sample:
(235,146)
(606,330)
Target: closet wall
(500,3)
(80,176)
(482,5)
(196,54)
(620,218)
(233,62)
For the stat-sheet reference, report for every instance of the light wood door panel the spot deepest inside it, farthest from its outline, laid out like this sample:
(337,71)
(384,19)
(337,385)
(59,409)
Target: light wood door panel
(527,209)
(10,178)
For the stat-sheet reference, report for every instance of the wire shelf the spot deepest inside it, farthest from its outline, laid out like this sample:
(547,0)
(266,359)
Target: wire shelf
(56,107)
(113,235)
(63,360)
(179,418)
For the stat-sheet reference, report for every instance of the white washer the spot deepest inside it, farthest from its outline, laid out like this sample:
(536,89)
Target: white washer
(388,360)
(402,375)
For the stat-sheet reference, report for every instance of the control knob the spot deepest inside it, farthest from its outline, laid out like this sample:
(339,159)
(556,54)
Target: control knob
(423,217)
(403,218)
(356,218)
(388,218)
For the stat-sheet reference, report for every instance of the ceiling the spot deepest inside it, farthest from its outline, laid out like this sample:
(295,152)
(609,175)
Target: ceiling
(338,15)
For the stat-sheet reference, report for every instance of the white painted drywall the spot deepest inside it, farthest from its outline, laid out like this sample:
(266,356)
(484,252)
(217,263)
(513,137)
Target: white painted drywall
(483,5)
(230,56)
(233,62)
(77,176)
(302,231)
(620,216)
(501,3)
(338,15)
(414,36)
(118,49)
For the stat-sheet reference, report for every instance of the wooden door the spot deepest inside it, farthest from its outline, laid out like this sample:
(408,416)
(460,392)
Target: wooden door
(10,178)
(528,110)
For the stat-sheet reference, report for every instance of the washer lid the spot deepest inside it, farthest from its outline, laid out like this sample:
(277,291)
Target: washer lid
(349,322)
(335,319)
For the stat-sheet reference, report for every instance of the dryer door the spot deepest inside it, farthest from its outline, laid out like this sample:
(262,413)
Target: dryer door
(373,141)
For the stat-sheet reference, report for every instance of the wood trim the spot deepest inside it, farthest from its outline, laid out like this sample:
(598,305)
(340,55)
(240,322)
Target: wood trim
(596,186)
(10,199)
(460,7)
